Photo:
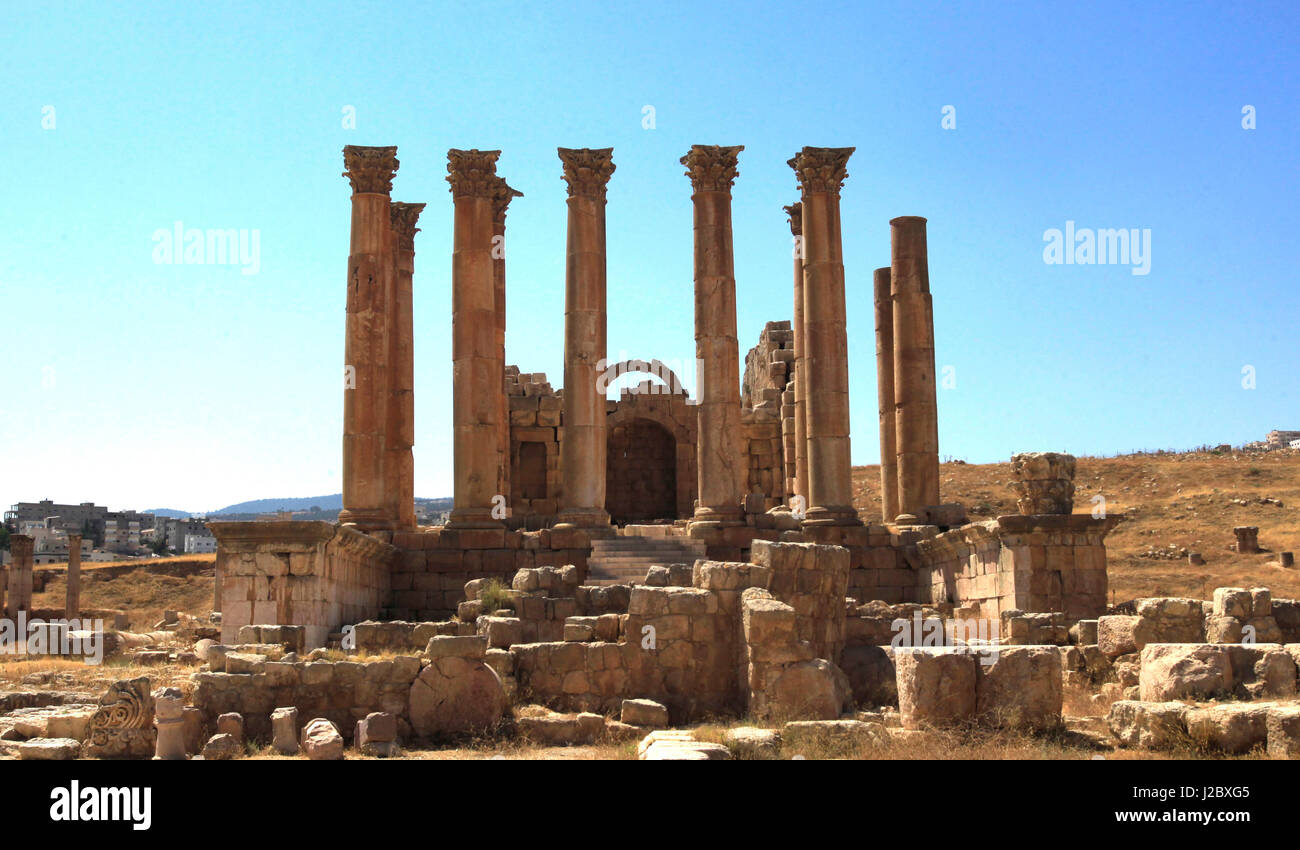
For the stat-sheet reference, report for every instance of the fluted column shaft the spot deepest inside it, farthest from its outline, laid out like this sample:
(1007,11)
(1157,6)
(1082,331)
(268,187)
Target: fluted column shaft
(915,395)
(885,396)
(365,408)
(582,455)
(821,173)
(399,463)
(721,462)
(72,607)
(800,381)
(501,201)
(476,407)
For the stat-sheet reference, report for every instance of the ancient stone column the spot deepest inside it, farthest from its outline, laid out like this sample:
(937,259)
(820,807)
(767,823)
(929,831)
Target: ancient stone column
(821,173)
(20,575)
(722,464)
(1044,482)
(885,396)
(72,608)
(501,198)
(476,384)
(365,403)
(399,430)
(915,400)
(582,454)
(800,382)
(1247,544)
(169,718)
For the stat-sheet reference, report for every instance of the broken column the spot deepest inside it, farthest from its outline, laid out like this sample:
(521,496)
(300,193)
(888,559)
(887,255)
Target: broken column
(476,380)
(821,173)
(169,719)
(722,465)
(72,608)
(1044,482)
(795,211)
(1247,539)
(885,396)
(582,456)
(399,432)
(20,575)
(365,404)
(501,198)
(915,399)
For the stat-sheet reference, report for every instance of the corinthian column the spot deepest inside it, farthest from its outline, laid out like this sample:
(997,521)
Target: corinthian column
(721,462)
(365,404)
(20,577)
(72,607)
(885,396)
(915,398)
(476,384)
(582,454)
(501,198)
(795,211)
(821,173)
(399,433)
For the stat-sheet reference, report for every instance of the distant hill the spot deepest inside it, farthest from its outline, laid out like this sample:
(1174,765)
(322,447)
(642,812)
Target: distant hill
(332,503)
(169,513)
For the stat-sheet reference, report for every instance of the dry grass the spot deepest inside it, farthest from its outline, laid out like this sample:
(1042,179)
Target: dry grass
(1180,499)
(143,594)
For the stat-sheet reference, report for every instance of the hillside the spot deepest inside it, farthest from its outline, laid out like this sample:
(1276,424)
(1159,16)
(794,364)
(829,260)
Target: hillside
(1184,501)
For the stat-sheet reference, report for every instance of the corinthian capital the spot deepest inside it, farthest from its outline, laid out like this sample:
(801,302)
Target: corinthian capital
(370,169)
(821,169)
(712,168)
(472,173)
(795,211)
(587,170)
(502,195)
(403,217)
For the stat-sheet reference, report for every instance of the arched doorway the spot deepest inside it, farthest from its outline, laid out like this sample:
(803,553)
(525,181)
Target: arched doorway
(641,472)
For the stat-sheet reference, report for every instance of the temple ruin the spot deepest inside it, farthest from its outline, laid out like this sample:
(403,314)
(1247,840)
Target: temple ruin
(589,507)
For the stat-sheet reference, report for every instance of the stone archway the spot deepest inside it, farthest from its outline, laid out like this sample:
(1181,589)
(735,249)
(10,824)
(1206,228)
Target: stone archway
(641,472)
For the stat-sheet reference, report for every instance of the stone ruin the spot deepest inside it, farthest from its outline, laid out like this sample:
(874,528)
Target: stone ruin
(613,566)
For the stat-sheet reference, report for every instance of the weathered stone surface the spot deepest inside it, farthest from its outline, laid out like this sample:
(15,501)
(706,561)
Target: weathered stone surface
(122,726)
(1118,634)
(679,745)
(644,712)
(455,695)
(321,740)
(232,723)
(1229,728)
(936,687)
(562,730)
(1173,671)
(221,747)
(457,646)
(799,733)
(1021,688)
(1283,725)
(1232,602)
(752,742)
(376,734)
(43,749)
(284,731)
(1149,725)
(809,690)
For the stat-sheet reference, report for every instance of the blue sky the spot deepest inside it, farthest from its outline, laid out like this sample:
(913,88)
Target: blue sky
(140,384)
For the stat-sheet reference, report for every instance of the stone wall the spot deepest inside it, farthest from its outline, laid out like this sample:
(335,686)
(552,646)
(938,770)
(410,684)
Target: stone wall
(312,574)
(1040,563)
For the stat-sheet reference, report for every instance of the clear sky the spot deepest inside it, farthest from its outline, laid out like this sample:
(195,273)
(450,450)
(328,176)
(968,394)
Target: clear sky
(140,384)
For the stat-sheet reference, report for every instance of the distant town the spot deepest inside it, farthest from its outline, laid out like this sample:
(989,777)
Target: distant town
(108,535)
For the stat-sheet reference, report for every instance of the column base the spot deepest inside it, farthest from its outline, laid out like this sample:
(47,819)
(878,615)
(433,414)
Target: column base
(707,518)
(367,519)
(587,519)
(473,518)
(830,515)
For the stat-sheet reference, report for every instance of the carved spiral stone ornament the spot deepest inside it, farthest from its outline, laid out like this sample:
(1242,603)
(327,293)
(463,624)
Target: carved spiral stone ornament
(795,211)
(472,173)
(821,169)
(122,726)
(587,170)
(712,168)
(370,169)
(1044,482)
(403,217)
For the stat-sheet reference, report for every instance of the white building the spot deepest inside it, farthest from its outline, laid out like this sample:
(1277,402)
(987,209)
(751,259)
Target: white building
(200,544)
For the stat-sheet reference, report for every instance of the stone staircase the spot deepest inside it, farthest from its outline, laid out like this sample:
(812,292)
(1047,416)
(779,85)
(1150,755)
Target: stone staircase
(624,560)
